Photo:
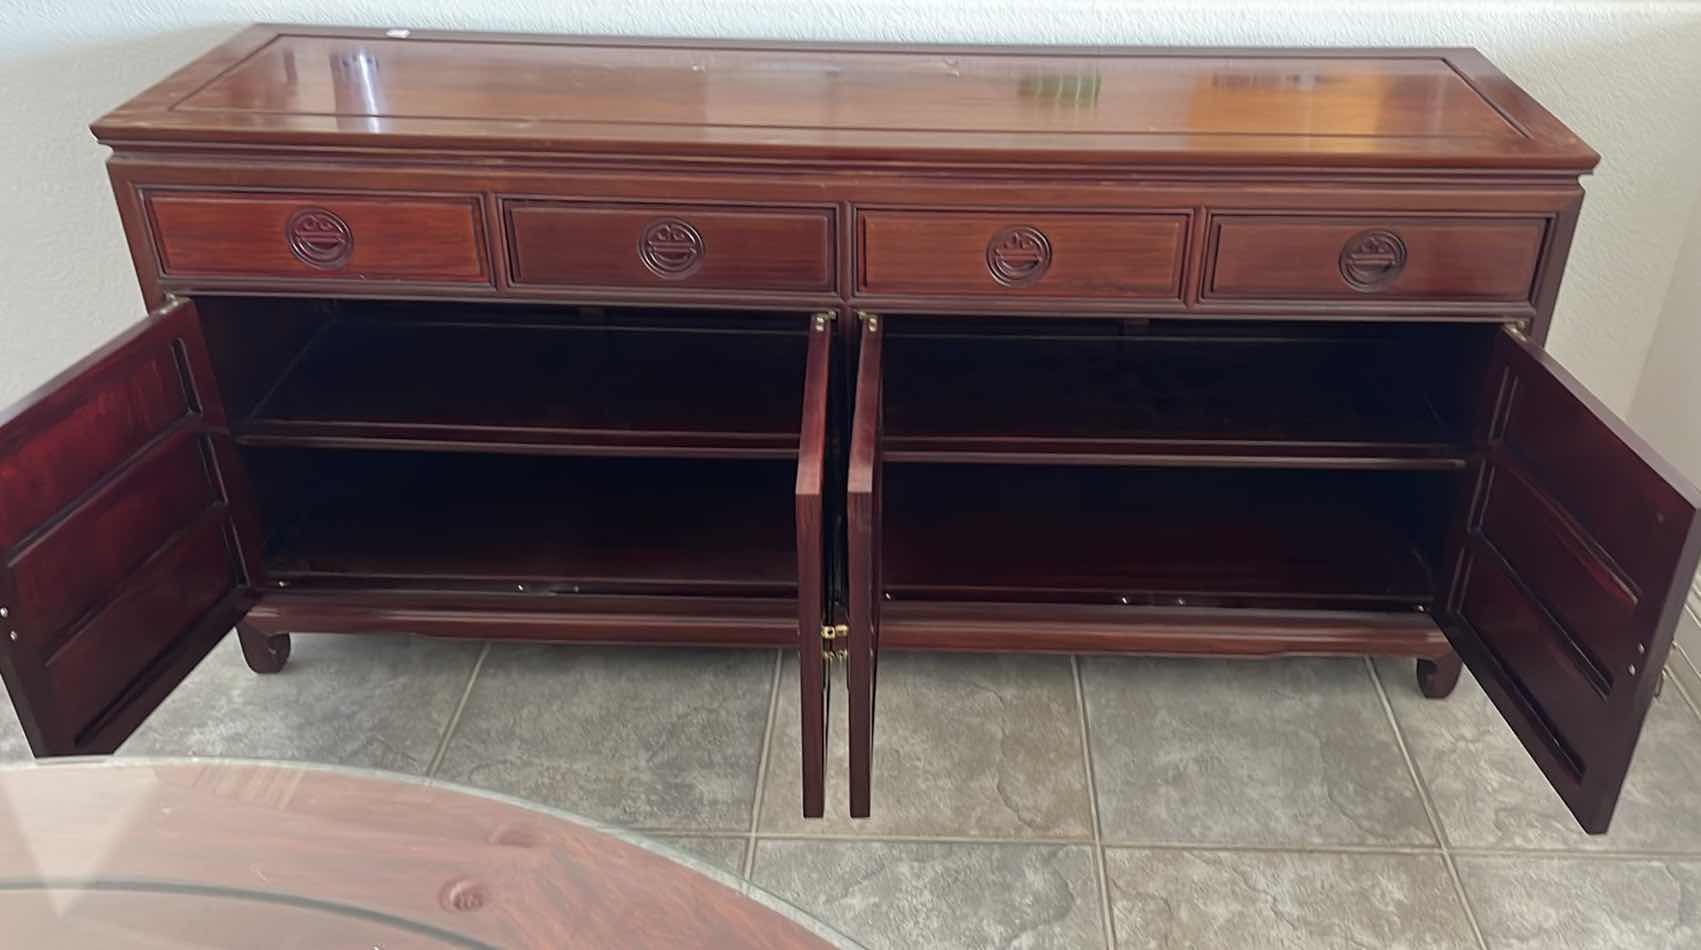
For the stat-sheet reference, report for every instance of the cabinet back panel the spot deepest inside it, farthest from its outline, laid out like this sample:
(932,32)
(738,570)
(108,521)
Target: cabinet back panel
(1223,537)
(562,525)
(529,379)
(1221,393)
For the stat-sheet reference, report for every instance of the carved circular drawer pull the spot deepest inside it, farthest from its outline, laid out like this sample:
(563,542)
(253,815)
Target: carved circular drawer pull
(1018,256)
(318,238)
(1372,259)
(670,248)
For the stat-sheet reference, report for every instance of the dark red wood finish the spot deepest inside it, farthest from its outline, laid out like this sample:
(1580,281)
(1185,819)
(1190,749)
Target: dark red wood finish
(1170,631)
(335,88)
(319,235)
(864,507)
(813,607)
(965,254)
(694,246)
(128,534)
(214,853)
(263,652)
(1441,260)
(1568,572)
(530,615)
(1185,355)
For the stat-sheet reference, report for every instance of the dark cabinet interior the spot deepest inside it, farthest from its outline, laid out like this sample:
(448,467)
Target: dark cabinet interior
(1250,392)
(640,450)
(568,380)
(552,450)
(1170,536)
(505,522)
(1151,463)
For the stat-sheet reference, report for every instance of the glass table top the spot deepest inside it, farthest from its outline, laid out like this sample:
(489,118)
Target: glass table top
(177,853)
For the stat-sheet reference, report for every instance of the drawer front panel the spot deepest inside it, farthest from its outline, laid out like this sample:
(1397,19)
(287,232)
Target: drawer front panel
(318,236)
(1046,255)
(656,246)
(1468,260)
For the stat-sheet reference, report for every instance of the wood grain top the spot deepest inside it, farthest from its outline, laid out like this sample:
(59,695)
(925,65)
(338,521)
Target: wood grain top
(204,852)
(363,89)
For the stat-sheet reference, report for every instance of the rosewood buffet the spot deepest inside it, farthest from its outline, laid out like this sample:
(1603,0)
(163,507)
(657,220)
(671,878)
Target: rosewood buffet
(847,349)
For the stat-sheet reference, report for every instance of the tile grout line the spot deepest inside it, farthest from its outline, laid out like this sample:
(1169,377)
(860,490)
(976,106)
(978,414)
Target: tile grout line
(1107,920)
(919,839)
(1687,857)
(1428,805)
(1682,857)
(1229,848)
(455,717)
(747,865)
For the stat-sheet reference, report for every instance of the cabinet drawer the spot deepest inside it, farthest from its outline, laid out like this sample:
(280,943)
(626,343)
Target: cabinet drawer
(1048,255)
(318,235)
(698,246)
(1418,258)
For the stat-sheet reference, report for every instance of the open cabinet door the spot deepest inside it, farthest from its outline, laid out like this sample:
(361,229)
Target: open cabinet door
(1568,574)
(126,535)
(862,516)
(815,629)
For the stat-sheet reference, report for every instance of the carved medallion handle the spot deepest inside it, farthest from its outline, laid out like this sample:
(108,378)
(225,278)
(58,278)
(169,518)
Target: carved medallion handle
(1018,256)
(671,248)
(1371,260)
(319,238)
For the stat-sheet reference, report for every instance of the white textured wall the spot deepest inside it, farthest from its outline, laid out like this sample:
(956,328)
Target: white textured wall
(1667,409)
(1624,74)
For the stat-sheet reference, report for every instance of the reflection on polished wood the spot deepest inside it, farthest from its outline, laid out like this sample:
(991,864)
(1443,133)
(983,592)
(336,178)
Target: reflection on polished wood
(197,854)
(1433,106)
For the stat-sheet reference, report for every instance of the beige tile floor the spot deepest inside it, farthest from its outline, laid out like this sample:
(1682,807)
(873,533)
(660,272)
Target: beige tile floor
(1025,802)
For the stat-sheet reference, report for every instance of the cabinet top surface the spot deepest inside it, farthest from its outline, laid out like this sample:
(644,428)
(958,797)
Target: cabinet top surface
(291,87)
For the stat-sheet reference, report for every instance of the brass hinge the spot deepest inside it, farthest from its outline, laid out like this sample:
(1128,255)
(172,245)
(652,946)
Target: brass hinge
(1520,330)
(824,319)
(831,633)
(870,321)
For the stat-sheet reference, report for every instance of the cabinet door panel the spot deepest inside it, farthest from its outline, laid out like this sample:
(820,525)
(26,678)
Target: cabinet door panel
(127,537)
(812,567)
(71,568)
(863,525)
(1568,574)
(168,595)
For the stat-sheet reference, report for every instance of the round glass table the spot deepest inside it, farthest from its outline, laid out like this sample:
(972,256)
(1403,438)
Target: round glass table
(225,853)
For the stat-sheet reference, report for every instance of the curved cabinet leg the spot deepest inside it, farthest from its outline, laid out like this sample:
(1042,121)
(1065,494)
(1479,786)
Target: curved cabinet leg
(1437,676)
(265,652)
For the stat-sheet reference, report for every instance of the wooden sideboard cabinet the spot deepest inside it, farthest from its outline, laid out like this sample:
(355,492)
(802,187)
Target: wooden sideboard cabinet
(847,349)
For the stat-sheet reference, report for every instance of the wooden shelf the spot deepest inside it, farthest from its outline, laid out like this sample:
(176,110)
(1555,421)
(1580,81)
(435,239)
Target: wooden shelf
(552,524)
(1172,631)
(1157,536)
(1183,398)
(539,388)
